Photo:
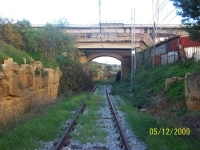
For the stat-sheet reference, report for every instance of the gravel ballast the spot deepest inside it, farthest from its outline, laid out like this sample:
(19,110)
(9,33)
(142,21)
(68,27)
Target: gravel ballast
(105,123)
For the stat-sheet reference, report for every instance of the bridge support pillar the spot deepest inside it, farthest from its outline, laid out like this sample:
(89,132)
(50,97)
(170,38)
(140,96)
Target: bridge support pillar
(125,67)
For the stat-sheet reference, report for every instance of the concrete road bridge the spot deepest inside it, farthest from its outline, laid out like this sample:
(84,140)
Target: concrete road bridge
(114,40)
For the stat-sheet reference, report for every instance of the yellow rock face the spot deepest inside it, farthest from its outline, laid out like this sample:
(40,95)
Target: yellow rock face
(192,91)
(21,88)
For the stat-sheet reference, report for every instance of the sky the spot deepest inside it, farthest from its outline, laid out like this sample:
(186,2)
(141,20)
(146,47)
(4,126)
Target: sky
(107,60)
(87,11)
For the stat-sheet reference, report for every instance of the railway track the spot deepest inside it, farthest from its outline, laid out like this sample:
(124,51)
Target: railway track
(121,131)
(64,137)
(119,135)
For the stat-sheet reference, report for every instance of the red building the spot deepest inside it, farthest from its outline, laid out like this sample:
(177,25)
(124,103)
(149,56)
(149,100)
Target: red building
(175,50)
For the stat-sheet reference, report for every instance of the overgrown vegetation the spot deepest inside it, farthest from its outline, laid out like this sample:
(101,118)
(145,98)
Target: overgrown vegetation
(104,82)
(150,83)
(73,79)
(47,44)
(167,108)
(101,71)
(10,51)
(89,129)
(141,124)
(40,124)
(37,72)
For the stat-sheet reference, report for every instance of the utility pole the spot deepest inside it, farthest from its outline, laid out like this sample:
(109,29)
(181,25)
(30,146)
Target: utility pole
(154,42)
(155,10)
(100,16)
(133,49)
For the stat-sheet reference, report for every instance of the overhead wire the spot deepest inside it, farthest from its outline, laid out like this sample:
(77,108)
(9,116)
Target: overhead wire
(157,20)
(160,5)
(157,13)
(169,14)
(100,24)
(176,14)
(153,10)
(160,8)
(157,30)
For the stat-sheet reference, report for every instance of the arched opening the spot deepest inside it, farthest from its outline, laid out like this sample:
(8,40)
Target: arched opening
(105,68)
(107,60)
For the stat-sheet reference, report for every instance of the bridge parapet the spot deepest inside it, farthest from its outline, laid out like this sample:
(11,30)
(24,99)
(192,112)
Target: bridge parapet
(119,37)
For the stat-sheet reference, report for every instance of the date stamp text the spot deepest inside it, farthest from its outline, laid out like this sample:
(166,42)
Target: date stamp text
(169,131)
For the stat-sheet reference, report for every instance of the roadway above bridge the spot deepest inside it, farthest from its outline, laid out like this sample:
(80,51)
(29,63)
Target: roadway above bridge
(113,32)
(119,35)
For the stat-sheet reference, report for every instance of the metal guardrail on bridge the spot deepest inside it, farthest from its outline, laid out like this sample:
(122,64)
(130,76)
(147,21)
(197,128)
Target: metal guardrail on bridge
(112,24)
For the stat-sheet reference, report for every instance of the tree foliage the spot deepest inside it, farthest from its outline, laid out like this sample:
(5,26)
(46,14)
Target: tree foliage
(47,44)
(109,67)
(9,34)
(190,11)
(95,70)
(29,35)
(73,79)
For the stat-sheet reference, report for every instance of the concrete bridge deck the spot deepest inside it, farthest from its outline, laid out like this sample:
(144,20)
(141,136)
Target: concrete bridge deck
(115,39)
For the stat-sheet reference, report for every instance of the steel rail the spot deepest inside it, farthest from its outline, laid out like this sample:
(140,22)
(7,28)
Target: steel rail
(124,139)
(62,141)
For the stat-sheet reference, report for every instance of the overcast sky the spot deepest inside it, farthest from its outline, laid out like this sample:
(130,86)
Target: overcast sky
(87,11)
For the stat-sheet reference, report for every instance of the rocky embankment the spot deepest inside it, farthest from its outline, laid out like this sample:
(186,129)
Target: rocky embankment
(25,86)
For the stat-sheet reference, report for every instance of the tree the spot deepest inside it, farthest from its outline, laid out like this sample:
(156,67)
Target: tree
(190,11)
(9,34)
(109,68)
(95,70)
(54,41)
(74,78)
(29,35)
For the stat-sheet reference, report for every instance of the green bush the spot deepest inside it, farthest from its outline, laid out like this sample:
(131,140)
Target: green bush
(37,72)
(73,79)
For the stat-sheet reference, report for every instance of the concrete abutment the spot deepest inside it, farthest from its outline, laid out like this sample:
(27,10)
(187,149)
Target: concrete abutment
(125,67)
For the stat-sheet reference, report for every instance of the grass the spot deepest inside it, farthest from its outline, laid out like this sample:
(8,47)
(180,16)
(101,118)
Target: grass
(151,81)
(89,129)
(49,64)
(165,109)
(17,55)
(176,90)
(142,123)
(44,126)
(37,72)
(104,82)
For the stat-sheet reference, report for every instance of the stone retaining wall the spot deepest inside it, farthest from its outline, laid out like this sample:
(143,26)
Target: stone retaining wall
(25,86)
